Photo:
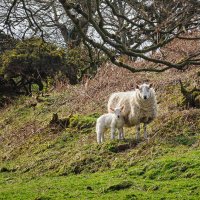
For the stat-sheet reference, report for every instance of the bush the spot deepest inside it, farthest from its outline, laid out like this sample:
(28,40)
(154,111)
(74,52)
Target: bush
(32,61)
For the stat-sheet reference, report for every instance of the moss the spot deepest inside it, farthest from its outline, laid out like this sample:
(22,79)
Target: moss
(82,122)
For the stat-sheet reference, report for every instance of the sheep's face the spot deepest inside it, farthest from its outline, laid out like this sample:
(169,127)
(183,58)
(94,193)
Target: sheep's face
(117,111)
(144,89)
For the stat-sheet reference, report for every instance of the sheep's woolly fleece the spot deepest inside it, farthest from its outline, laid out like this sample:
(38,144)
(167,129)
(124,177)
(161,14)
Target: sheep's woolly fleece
(136,109)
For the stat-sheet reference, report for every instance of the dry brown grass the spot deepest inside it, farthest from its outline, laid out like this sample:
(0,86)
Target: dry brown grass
(92,95)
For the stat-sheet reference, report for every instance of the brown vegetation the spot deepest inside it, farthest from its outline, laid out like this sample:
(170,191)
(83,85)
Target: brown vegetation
(92,94)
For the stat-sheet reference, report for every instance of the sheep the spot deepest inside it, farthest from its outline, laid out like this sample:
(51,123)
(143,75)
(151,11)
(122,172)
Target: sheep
(140,106)
(110,120)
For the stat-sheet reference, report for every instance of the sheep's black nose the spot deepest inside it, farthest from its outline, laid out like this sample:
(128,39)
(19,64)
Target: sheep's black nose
(145,97)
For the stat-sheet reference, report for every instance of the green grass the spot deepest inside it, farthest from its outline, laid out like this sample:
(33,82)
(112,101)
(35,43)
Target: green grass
(131,183)
(174,175)
(39,161)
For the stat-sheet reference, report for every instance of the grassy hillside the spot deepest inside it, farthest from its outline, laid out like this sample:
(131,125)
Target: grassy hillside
(40,160)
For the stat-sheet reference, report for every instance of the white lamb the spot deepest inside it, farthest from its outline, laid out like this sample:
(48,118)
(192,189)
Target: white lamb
(140,106)
(110,120)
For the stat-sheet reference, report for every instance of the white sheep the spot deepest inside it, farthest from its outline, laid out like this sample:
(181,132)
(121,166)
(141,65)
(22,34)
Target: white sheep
(110,120)
(140,106)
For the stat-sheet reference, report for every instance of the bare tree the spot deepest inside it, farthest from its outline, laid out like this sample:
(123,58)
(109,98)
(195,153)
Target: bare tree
(35,18)
(132,27)
(148,26)
(22,18)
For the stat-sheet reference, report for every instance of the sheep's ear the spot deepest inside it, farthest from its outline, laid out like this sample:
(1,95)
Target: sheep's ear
(150,85)
(122,107)
(111,109)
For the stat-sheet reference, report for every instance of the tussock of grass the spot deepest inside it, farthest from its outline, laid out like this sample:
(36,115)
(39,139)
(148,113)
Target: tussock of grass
(119,186)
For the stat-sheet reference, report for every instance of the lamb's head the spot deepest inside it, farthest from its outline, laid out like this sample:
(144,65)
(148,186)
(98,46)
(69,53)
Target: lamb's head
(144,91)
(117,111)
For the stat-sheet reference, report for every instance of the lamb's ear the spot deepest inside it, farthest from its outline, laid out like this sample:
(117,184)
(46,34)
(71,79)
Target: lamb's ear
(111,109)
(150,85)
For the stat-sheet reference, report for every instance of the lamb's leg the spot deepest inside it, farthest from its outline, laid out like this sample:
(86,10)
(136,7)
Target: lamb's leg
(145,131)
(138,132)
(121,134)
(112,133)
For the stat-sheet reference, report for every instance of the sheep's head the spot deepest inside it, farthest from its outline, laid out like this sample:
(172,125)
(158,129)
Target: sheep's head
(144,90)
(117,111)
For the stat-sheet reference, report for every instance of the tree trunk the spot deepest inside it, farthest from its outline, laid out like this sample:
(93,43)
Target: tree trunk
(190,97)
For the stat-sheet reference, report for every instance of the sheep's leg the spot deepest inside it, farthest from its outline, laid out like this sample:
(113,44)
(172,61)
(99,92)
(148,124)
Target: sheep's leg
(145,131)
(112,133)
(102,137)
(99,137)
(138,132)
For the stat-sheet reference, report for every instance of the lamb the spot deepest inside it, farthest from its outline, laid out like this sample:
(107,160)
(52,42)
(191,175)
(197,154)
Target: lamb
(140,106)
(110,120)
